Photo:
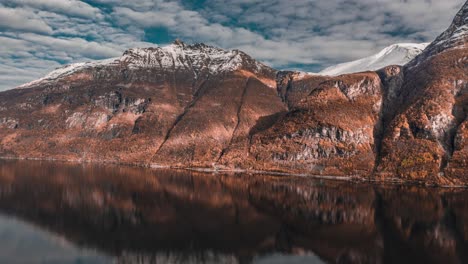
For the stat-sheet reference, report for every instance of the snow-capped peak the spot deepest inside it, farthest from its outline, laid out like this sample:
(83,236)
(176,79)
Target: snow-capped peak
(70,69)
(396,54)
(178,55)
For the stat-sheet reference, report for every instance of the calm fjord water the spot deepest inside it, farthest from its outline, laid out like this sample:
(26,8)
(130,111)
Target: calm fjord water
(72,213)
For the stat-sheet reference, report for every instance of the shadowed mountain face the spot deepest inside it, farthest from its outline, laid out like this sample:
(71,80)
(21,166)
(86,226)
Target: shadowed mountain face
(134,215)
(200,106)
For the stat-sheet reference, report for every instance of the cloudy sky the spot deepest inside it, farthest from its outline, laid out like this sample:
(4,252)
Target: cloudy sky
(37,36)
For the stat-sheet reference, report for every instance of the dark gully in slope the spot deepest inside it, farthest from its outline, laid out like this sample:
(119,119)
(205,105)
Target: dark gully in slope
(200,106)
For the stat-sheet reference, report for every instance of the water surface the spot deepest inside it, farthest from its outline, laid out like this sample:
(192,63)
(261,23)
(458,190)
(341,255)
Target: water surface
(72,213)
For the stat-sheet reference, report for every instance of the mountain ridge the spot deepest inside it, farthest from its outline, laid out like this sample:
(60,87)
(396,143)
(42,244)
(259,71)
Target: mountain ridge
(231,59)
(455,36)
(199,57)
(396,54)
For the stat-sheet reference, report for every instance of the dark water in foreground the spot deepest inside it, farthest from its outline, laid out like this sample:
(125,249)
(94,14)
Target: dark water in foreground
(63,213)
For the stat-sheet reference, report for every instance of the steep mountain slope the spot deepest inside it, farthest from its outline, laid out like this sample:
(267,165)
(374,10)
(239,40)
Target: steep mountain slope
(331,126)
(157,106)
(426,138)
(398,123)
(397,54)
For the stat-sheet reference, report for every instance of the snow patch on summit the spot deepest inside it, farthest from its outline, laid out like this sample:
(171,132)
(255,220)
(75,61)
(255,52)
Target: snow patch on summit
(198,58)
(397,54)
(70,69)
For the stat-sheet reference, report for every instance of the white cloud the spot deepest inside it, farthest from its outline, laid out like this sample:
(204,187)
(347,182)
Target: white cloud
(69,7)
(22,20)
(155,18)
(38,33)
(19,73)
(80,46)
(28,56)
(300,31)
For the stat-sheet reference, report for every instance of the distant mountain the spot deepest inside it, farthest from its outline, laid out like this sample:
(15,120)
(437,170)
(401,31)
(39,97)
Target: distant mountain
(197,106)
(397,54)
(198,58)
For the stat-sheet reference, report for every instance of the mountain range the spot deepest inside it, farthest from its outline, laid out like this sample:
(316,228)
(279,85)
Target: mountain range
(197,106)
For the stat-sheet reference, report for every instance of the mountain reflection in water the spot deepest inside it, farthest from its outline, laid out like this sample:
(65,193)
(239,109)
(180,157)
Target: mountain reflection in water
(69,213)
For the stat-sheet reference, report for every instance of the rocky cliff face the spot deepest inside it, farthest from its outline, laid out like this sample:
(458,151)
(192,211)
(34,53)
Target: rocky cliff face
(329,131)
(399,123)
(200,106)
(425,137)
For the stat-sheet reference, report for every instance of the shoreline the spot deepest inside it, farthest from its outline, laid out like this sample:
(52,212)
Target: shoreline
(351,179)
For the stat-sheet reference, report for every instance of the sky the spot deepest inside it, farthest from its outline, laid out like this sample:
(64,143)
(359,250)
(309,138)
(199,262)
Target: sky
(37,36)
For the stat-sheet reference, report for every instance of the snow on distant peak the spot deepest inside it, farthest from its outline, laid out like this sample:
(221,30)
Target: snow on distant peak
(197,57)
(397,54)
(180,55)
(70,69)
